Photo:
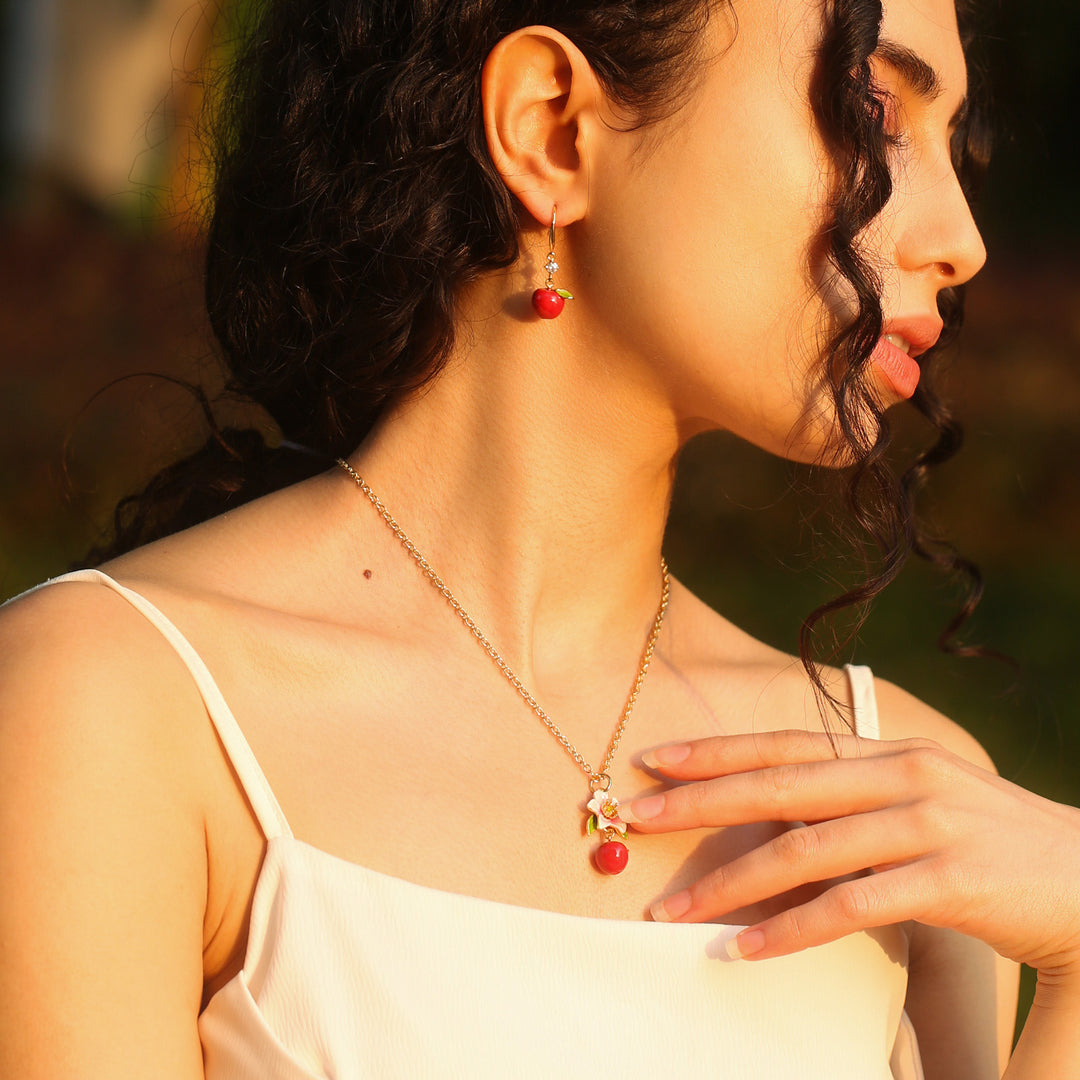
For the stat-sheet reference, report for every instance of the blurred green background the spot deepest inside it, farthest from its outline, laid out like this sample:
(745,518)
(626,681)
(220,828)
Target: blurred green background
(99,278)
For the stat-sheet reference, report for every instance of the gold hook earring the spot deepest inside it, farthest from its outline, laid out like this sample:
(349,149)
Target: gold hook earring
(548,302)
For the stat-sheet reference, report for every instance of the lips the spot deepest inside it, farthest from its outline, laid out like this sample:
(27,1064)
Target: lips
(903,340)
(896,367)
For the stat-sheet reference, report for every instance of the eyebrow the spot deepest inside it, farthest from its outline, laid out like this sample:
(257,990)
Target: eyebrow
(918,74)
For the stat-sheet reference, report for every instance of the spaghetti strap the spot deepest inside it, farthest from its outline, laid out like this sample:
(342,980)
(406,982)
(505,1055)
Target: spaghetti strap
(256,787)
(864,701)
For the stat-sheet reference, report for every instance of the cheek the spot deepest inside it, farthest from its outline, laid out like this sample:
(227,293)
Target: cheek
(714,275)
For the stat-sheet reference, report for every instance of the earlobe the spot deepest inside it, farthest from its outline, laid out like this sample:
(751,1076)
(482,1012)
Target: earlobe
(540,99)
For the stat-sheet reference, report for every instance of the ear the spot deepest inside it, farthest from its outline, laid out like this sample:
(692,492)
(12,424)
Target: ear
(541,103)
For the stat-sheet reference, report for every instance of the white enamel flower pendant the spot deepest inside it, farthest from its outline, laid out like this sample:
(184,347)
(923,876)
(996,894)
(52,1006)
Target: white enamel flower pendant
(603,810)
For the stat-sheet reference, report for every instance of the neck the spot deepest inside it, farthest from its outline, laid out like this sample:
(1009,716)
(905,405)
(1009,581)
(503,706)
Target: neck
(534,473)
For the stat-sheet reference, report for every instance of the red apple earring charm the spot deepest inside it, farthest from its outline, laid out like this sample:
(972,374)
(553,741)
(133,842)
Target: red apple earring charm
(548,301)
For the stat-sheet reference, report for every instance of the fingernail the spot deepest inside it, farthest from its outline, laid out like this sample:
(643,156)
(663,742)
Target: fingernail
(745,944)
(717,949)
(671,908)
(641,809)
(660,756)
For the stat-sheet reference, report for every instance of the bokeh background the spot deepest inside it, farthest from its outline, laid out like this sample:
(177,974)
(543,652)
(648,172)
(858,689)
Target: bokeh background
(99,279)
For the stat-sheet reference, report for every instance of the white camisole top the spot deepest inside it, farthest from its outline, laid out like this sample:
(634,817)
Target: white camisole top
(350,974)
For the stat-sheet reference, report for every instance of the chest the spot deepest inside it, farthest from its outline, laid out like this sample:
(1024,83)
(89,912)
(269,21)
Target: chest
(438,773)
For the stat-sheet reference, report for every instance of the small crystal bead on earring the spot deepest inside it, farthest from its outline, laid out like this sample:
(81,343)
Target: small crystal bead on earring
(548,301)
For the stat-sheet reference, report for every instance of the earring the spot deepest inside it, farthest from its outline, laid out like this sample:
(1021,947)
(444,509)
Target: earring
(548,301)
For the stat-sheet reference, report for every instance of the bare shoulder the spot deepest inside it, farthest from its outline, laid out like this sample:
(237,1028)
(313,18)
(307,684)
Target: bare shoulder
(768,682)
(904,716)
(79,648)
(101,839)
(762,687)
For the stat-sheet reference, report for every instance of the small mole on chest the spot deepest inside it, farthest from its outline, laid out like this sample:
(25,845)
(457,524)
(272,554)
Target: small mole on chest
(367,574)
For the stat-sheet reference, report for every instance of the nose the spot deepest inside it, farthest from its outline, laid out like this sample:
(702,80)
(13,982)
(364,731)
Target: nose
(936,234)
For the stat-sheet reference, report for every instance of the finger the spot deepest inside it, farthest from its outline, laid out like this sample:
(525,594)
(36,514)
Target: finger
(720,755)
(798,857)
(848,907)
(798,791)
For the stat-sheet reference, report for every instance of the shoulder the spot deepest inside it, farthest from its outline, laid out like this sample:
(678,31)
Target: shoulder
(78,647)
(101,838)
(749,684)
(773,682)
(763,683)
(904,716)
(93,699)
(96,713)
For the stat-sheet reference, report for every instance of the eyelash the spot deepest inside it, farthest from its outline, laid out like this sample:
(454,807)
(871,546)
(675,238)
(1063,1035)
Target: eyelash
(889,116)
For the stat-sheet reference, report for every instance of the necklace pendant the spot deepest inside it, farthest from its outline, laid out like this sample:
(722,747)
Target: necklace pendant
(612,855)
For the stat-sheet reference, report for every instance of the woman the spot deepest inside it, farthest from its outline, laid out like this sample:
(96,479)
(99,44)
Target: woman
(371,859)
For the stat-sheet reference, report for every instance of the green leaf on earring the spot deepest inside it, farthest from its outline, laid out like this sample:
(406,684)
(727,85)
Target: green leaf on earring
(564,294)
(590,825)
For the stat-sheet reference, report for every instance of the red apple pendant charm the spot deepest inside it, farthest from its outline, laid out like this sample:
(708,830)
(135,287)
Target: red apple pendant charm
(548,303)
(603,810)
(611,857)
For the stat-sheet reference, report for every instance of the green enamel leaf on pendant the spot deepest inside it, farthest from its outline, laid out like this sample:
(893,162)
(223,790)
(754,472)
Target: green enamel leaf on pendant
(590,825)
(564,294)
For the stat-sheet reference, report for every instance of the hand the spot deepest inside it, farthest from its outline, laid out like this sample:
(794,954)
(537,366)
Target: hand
(950,844)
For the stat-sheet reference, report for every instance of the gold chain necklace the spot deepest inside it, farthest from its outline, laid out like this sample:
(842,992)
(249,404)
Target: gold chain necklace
(602,807)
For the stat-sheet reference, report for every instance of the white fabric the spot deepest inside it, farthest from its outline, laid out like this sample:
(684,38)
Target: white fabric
(350,973)
(864,701)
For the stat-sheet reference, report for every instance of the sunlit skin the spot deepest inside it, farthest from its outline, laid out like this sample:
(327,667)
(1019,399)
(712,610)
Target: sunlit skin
(535,473)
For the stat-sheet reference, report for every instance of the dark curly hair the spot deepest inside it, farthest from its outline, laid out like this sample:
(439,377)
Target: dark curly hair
(354,197)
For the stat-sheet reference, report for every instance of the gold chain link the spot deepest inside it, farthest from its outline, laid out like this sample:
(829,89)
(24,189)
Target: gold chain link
(598,781)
